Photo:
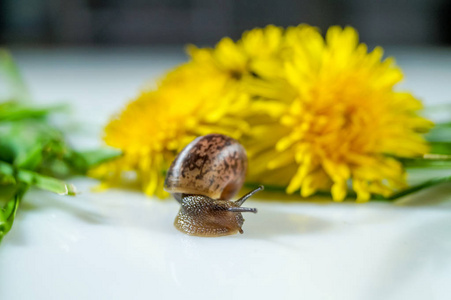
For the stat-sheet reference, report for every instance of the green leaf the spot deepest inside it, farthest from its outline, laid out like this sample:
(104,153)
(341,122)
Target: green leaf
(425,163)
(27,143)
(440,133)
(46,183)
(437,159)
(12,78)
(40,181)
(14,111)
(412,189)
(31,159)
(9,210)
(441,147)
(81,162)
(443,125)
(419,187)
(98,156)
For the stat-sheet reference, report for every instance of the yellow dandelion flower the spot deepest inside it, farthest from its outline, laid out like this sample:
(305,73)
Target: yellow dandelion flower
(324,114)
(190,101)
(334,118)
(259,51)
(197,98)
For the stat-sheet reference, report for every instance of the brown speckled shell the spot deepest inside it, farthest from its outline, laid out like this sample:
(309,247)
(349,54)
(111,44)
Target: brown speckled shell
(213,165)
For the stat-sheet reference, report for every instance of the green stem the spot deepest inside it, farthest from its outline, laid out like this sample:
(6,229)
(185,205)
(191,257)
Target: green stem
(419,187)
(9,210)
(40,181)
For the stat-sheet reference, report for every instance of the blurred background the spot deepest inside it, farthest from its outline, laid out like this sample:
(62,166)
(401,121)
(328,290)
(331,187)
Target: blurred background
(97,54)
(202,22)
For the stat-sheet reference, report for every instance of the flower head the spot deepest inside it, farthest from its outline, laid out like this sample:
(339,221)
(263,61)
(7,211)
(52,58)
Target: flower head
(200,97)
(313,113)
(335,118)
(190,101)
(259,51)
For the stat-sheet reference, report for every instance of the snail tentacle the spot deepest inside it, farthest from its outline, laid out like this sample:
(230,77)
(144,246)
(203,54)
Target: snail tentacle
(240,201)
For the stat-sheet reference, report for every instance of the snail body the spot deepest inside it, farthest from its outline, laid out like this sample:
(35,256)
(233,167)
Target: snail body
(203,178)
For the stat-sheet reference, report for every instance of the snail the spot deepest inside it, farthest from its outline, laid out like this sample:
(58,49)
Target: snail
(203,178)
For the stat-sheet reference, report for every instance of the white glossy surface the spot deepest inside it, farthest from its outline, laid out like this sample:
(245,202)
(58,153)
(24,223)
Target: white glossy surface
(122,245)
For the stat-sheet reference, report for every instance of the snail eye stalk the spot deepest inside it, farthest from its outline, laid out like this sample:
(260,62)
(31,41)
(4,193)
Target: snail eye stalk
(243,209)
(240,201)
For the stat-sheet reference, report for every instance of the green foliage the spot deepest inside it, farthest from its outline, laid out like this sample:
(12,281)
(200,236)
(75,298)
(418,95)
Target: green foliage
(11,81)
(32,151)
(11,195)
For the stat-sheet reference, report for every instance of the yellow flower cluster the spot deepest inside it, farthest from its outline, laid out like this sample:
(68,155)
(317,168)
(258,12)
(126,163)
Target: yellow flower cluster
(313,113)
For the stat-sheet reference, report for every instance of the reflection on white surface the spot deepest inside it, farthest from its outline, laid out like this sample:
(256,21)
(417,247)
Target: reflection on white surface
(122,245)
(118,244)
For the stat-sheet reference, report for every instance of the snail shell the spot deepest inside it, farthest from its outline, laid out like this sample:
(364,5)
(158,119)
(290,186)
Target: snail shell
(204,176)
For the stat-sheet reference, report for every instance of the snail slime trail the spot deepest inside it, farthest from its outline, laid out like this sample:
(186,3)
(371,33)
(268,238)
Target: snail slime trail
(203,178)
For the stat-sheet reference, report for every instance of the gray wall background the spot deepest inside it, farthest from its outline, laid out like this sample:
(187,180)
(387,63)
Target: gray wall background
(152,22)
